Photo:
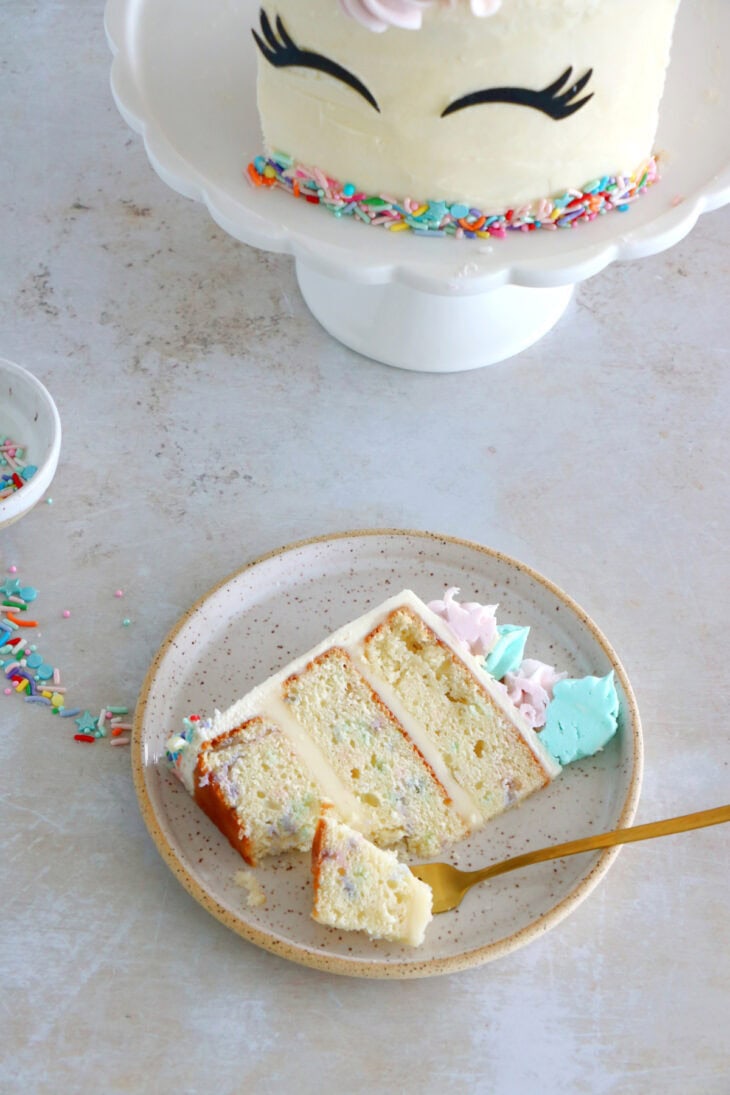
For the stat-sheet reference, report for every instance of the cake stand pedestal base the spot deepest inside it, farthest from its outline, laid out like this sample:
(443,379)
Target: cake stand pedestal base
(430,332)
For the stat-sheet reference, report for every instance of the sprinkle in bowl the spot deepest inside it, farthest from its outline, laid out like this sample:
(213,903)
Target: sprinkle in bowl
(30,441)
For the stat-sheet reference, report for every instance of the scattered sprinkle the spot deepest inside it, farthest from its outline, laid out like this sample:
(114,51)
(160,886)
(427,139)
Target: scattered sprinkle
(86,722)
(26,671)
(20,623)
(119,593)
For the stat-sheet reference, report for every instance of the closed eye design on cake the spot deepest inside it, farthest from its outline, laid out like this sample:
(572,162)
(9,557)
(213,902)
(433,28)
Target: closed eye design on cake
(282,52)
(555,101)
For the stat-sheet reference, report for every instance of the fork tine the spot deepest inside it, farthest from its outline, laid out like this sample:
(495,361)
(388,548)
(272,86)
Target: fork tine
(448,884)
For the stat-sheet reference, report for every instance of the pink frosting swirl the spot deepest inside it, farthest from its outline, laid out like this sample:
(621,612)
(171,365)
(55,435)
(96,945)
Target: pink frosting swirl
(474,625)
(531,689)
(378,15)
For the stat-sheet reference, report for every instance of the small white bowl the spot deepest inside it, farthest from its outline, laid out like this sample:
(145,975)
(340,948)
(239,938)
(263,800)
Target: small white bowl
(29,416)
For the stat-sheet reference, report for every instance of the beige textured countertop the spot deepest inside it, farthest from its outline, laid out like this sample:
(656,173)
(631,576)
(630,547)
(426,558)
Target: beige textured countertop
(208,419)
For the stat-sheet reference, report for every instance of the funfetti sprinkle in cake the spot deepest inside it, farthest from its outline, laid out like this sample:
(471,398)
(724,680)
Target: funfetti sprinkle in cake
(452,117)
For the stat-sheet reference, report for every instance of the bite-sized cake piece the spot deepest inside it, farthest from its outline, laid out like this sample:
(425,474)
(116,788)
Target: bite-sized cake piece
(359,887)
(389,719)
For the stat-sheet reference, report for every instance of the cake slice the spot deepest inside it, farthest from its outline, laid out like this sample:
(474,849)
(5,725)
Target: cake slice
(389,719)
(359,887)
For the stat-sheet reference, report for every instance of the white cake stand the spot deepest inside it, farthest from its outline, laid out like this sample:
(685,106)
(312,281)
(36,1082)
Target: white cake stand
(184,77)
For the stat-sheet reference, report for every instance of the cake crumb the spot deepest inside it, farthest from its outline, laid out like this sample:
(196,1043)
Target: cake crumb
(248,881)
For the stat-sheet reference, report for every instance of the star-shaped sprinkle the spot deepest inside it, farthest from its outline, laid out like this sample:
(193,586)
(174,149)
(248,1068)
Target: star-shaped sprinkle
(11,587)
(86,723)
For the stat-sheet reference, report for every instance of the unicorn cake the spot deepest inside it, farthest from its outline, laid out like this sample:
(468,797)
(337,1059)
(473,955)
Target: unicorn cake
(462,116)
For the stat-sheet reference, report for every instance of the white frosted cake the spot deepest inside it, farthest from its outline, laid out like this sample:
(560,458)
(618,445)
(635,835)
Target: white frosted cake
(432,114)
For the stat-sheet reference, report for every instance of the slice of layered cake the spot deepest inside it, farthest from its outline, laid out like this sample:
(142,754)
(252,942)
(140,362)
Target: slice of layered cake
(358,887)
(390,719)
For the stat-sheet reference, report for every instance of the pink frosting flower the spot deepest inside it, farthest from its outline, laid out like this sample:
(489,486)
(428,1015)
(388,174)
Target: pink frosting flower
(473,624)
(531,689)
(378,15)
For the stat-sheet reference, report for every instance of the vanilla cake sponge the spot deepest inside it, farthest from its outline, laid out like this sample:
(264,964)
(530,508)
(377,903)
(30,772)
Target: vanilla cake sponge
(374,758)
(254,787)
(474,733)
(389,719)
(359,887)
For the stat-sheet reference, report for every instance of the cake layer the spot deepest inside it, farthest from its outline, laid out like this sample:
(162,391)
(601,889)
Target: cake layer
(485,749)
(372,753)
(495,112)
(358,887)
(254,788)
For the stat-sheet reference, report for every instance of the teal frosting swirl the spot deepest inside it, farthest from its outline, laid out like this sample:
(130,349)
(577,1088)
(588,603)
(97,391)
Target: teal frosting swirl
(507,653)
(581,717)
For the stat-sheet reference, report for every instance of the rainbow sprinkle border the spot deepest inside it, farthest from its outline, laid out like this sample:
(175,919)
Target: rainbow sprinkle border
(436,218)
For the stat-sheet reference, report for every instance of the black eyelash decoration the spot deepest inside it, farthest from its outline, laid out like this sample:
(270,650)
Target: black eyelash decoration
(553,101)
(282,52)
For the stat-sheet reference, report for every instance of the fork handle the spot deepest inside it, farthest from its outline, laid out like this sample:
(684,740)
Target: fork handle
(607,840)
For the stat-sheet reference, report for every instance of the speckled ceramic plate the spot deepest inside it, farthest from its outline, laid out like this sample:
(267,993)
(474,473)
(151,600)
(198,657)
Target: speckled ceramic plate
(282,604)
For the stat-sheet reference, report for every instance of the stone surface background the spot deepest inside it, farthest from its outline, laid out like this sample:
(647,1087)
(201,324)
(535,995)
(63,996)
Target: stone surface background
(207,419)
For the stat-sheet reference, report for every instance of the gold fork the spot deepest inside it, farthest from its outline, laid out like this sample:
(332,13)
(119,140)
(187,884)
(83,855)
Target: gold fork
(449,884)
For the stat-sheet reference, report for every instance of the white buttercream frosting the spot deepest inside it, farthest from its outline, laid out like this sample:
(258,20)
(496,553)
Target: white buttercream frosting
(493,156)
